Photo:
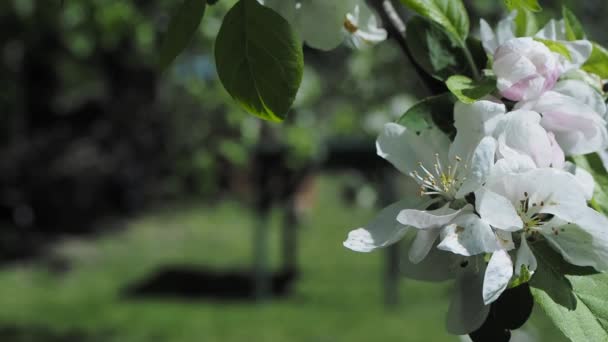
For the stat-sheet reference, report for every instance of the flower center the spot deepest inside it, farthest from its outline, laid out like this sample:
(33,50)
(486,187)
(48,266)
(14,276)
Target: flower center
(530,214)
(350,26)
(440,181)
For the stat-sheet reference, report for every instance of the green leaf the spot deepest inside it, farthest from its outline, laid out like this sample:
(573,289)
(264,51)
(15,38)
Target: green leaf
(573,297)
(529,5)
(593,164)
(555,46)
(469,91)
(597,62)
(574,28)
(434,111)
(451,15)
(435,51)
(526,24)
(182,28)
(259,60)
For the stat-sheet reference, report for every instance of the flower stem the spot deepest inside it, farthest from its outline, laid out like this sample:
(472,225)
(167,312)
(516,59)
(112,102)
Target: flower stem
(471,61)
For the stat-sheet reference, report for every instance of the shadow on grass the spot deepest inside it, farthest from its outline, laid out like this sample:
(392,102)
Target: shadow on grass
(187,282)
(42,334)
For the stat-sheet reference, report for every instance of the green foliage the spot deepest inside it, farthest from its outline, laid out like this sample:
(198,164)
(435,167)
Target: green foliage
(435,51)
(529,5)
(573,297)
(259,60)
(526,24)
(574,28)
(451,15)
(598,61)
(434,111)
(555,46)
(468,90)
(182,28)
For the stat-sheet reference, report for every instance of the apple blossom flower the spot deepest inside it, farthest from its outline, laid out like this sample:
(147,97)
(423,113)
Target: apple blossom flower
(573,112)
(360,36)
(445,173)
(555,30)
(539,203)
(519,134)
(325,24)
(525,68)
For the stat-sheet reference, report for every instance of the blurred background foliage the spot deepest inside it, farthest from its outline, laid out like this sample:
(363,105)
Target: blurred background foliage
(93,136)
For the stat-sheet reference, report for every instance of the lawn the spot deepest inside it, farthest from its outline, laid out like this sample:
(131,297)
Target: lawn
(337,298)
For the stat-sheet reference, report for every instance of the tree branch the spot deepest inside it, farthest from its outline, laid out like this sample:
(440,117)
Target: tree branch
(396,29)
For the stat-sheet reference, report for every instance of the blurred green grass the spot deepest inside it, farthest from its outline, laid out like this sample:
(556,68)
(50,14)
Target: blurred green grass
(338,297)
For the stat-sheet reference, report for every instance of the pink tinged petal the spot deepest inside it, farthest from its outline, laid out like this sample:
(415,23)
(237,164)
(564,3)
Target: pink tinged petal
(423,219)
(525,257)
(422,244)
(525,69)
(383,231)
(496,210)
(584,242)
(584,93)
(467,311)
(468,235)
(578,128)
(497,277)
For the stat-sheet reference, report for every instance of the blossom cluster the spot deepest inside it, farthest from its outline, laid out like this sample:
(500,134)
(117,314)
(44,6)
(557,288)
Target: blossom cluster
(326,24)
(503,183)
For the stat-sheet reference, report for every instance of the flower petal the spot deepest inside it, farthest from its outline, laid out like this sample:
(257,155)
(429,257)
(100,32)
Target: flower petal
(479,168)
(584,178)
(423,219)
(584,242)
(467,311)
(497,277)
(435,267)
(405,149)
(422,244)
(497,210)
(525,257)
(468,235)
(383,231)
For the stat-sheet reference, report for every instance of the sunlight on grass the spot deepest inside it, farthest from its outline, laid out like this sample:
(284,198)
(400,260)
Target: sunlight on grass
(337,298)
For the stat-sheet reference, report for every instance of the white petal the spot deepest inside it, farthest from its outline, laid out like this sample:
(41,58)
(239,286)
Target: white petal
(497,277)
(521,131)
(584,242)
(580,51)
(468,235)
(423,219)
(525,257)
(473,122)
(488,39)
(383,231)
(497,210)
(581,91)
(479,168)
(405,149)
(553,30)
(422,244)
(467,311)
(584,178)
